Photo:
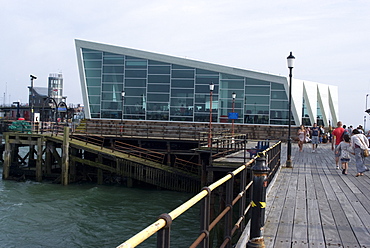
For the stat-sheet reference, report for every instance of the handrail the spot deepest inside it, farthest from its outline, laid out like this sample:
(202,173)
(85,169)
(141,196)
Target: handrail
(166,219)
(149,154)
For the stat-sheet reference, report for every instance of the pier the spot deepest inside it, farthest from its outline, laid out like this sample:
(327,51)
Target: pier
(314,205)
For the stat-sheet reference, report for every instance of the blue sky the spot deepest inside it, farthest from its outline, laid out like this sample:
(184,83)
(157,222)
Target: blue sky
(330,40)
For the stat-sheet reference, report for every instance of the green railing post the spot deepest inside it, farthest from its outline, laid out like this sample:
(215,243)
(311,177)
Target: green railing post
(260,172)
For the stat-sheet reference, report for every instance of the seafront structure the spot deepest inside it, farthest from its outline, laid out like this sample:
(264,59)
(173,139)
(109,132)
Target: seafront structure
(123,83)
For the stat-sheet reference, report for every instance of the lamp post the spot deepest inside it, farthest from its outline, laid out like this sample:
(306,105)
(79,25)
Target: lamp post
(290,60)
(211,88)
(32,100)
(233,95)
(122,98)
(365,111)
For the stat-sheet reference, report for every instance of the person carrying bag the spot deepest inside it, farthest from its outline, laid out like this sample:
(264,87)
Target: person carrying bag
(360,145)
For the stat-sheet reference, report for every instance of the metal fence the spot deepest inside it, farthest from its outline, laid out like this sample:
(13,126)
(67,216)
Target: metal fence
(240,200)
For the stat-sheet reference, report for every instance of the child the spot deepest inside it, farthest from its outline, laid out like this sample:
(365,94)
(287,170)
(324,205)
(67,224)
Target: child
(344,148)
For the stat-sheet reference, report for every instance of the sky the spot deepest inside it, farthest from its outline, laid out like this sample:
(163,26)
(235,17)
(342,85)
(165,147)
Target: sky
(330,40)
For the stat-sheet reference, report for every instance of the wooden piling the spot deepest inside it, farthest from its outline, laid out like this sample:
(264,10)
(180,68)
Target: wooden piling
(39,160)
(65,157)
(7,158)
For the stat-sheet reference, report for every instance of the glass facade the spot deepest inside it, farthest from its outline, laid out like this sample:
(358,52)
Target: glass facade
(155,90)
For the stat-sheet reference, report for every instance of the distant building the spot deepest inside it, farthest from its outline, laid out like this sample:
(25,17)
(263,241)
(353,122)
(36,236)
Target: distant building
(167,88)
(55,86)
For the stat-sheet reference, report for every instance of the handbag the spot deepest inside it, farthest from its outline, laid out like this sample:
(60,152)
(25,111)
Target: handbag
(366,151)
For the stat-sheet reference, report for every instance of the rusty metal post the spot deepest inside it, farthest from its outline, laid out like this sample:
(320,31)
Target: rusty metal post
(163,235)
(260,172)
(205,218)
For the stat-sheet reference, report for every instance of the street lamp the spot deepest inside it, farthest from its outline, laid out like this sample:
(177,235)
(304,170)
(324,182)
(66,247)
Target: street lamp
(233,95)
(365,111)
(211,88)
(32,99)
(290,60)
(122,98)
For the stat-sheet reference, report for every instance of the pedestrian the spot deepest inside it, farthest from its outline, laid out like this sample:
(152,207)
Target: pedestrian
(315,132)
(344,148)
(336,139)
(322,133)
(359,143)
(301,137)
(350,129)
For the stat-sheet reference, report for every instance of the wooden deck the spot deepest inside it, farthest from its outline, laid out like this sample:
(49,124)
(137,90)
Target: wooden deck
(314,205)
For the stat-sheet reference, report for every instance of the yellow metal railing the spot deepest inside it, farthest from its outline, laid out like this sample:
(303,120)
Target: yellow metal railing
(161,223)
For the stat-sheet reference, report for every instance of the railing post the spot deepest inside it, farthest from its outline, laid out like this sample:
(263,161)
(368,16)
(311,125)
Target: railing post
(260,172)
(163,235)
(229,215)
(205,218)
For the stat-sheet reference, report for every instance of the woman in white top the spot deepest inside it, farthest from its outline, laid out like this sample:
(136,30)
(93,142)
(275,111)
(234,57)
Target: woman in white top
(359,143)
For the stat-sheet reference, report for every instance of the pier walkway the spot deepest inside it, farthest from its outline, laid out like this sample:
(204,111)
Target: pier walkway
(314,205)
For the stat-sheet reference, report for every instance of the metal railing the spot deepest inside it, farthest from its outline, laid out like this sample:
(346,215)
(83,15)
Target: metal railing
(208,223)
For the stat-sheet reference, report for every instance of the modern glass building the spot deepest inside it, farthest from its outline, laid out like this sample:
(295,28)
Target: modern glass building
(166,88)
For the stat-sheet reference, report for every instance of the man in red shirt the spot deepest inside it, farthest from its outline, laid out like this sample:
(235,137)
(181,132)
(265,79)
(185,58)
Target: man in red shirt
(337,138)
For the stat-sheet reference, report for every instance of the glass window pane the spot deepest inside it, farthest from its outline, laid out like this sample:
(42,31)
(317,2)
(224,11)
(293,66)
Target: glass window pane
(111,105)
(94,99)
(252,81)
(160,106)
(228,76)
(153,62)
(180,67)
(276,86)
(159,70)
(136,63)
(112,87)
(97,55)
(135,101)
(205,89)
(93,91)
(158,98)
(113,69)
(158,88)
(112,96)
(257,100)
(163,79)
(279,104)
(228,94)
(257,90)
(257,109)
(135,82)
(135,91)
(92,64)
(181,83)
(232,84)
(206,72)
(95,108)
(136,73)
(93,81)
(113,78)
(182,93)
(93,73)
(182,73)
(206,79)
(279,95)
(187,102)
(279,114)
(111,114)
(113,61)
